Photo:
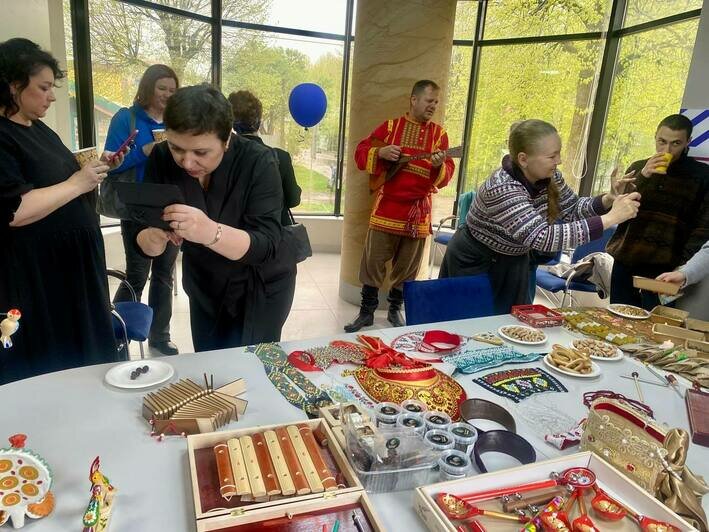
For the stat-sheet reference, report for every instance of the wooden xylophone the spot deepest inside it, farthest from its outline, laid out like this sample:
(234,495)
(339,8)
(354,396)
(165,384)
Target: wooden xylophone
(281,462)
(185,406)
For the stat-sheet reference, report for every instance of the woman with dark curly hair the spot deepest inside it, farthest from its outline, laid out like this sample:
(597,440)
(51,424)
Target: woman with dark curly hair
(52,261)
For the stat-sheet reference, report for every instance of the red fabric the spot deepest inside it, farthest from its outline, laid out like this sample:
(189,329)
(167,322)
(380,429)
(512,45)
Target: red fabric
(403,204)
(303,360)
(432,341)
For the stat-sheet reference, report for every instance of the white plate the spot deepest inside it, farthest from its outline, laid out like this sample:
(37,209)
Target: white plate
(595,370)
(618,353)
(511,339)
(119,376)
(613,310)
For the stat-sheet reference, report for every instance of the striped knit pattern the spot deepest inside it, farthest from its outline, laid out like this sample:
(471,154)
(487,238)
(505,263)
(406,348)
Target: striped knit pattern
(506,218)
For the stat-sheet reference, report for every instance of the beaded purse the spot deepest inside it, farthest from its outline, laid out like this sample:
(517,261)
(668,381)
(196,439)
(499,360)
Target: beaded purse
(648,453)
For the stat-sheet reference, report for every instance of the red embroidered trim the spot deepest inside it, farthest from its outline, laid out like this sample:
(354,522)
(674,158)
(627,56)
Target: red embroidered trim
(635,420)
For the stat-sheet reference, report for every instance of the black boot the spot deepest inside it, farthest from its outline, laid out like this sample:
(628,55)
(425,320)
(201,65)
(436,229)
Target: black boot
(396,299)
(365,318)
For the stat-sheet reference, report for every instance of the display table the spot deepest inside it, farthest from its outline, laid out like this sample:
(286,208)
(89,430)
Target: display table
(72,416)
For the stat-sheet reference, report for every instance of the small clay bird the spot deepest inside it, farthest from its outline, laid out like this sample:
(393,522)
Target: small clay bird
(9,326)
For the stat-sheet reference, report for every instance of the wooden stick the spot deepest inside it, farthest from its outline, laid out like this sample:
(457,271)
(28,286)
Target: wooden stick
(258,489)
(238,467)
(226,478)
(291,458)
(327,477)
(264,462)
(279,463)
(311,474)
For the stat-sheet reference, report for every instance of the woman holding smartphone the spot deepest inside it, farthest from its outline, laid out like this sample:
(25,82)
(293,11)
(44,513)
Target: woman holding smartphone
(238,271)
(52,261)
(157,84)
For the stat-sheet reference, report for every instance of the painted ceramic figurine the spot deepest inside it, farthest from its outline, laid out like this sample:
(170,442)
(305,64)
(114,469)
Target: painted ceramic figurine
(98,512)
(25,480)
(9,326)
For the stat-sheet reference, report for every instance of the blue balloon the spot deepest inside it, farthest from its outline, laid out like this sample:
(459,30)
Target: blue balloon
(307,104)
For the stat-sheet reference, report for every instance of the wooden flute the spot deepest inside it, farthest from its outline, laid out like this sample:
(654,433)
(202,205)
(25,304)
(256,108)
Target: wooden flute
(291,457)
(226,477)
(326,476)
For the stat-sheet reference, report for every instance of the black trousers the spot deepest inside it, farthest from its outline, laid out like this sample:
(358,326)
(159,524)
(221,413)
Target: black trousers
(160,269)
(509,274)
(623,291)
(225,331)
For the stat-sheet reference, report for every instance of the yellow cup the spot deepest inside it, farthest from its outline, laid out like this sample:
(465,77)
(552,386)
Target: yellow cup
(85,156)
(159,135)
(662,169)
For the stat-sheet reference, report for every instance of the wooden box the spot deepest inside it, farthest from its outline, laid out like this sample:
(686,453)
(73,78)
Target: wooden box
(698,325)
(609,479)
(653,285)
(668,316)
(676,335)
(213,512)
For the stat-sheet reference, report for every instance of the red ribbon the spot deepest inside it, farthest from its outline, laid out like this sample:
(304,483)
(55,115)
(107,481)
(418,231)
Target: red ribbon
(380,355)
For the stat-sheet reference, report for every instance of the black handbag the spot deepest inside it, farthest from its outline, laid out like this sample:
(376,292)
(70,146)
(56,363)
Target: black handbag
(297,235)
(108,203)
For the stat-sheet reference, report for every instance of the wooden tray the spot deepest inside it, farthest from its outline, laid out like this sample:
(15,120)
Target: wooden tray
(668,316)
(612,481)
(698,325)
(676,335)
(335,507)
(653,285)
(209,504)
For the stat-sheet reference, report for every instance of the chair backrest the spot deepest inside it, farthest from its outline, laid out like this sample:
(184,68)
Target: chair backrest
(452,298)
(594,246)
(464,202)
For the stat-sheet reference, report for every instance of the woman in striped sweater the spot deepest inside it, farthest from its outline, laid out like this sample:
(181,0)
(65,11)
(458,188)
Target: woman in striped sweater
(526,205)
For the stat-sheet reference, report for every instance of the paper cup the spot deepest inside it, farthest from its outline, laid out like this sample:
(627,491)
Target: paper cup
(662,169)
(85,156)
(159,135)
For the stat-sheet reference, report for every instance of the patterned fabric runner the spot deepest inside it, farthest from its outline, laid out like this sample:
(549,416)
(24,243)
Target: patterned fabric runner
(602,324)
(293,385)
(473,360)
(518,384)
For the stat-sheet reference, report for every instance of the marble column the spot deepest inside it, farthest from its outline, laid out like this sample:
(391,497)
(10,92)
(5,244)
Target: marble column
(397,43)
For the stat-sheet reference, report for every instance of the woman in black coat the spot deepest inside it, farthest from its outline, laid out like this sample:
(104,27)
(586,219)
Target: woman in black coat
(238,271)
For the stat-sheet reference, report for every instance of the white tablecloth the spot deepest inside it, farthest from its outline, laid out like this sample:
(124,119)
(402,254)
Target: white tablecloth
(72,416)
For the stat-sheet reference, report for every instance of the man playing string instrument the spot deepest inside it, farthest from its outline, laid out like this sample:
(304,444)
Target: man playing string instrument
(401,216)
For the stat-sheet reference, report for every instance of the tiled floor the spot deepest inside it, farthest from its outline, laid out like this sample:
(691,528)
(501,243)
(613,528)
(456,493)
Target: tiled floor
(317,308)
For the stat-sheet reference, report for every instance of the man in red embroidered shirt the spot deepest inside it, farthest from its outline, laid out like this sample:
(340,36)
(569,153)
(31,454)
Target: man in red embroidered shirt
(401,217)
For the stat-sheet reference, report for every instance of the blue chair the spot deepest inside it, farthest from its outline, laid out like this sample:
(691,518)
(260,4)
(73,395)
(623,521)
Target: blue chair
(442,237)
(550,283)
(131,319)
(452,298)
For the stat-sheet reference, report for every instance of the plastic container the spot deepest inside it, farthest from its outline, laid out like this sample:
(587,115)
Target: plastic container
(454,464)
(436,420)
(386,414)
(439,440)
(537,315)
(412,405)
(411,421)
(398,479)
(464,436)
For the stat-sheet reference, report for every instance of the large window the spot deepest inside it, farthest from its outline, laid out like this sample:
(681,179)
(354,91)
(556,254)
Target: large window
(648,85)
(270,65)
(529,59)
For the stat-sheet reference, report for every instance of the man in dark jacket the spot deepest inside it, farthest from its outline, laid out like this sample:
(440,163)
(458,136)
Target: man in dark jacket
(673,220)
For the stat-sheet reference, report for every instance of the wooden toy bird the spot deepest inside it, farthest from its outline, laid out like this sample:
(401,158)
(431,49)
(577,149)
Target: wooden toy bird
(9,326)
(98,513)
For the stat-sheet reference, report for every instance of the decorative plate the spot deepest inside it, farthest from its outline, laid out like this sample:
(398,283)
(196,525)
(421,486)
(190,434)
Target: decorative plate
(628,311)
(120,374)
(507,332)
(595,370)
(617,353)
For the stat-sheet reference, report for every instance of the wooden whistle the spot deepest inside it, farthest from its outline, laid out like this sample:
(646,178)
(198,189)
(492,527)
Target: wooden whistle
(291,458)
(306,462)
(264,463)
(327,477)
(279,463)
(238,467)
(258,488)
(226,477)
